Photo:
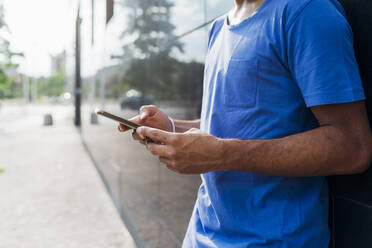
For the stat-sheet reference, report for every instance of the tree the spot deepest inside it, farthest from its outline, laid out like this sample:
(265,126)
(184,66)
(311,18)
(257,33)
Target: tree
(148,43)
(149,31)
(53,85)
(6,56)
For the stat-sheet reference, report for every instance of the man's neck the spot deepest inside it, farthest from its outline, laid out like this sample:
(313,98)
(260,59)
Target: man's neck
(243,10)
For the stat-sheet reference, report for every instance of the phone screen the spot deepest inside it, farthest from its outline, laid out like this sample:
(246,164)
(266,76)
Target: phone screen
(123,121)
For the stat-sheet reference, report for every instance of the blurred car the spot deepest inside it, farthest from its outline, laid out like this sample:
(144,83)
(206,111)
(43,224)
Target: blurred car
(134,99)
(65,98)
(53,99)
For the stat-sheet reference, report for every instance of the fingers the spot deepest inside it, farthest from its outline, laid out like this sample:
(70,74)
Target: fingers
(135,136)
(136,119)
(156,135)
(167,161)
(171,164)
(158,149)
(122,128)
(147,111)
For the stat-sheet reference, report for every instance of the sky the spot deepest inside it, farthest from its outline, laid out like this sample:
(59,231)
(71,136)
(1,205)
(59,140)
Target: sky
(40,28)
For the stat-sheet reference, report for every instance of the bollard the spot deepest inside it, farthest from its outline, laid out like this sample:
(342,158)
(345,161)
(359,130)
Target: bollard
(93,118)
(48,120)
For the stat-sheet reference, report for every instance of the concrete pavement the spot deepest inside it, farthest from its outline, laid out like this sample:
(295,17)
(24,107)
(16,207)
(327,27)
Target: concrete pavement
(50,193)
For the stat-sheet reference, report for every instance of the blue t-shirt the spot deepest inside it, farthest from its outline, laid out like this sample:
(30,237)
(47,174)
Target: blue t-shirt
(261,77)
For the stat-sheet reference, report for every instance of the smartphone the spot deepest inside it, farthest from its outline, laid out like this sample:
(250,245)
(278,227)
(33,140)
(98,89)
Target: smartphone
(128,124)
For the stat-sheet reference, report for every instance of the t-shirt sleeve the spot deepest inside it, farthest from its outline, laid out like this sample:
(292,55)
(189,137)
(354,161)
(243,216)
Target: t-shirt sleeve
(321,55)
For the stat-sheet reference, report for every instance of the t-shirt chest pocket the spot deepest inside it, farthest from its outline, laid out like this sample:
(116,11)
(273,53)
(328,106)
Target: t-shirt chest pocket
(240,85)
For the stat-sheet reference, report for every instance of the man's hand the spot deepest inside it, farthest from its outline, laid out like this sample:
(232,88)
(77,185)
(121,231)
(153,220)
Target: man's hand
(342,144)
(149,116)
(192,152)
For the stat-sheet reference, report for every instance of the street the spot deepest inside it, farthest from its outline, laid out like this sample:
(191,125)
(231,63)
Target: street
(19,116)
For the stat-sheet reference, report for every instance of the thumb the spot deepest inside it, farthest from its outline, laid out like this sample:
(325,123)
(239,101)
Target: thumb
(147,111)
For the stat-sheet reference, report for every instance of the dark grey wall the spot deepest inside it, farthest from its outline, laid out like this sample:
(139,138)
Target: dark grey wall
(351,198)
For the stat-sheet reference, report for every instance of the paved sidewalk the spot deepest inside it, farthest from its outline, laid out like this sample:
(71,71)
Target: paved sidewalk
(51,194)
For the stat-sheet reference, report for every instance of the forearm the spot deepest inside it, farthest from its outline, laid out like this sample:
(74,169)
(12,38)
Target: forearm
(183,126)
(319,152)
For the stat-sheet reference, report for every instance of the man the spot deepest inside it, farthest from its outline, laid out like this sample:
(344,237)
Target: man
(282,108)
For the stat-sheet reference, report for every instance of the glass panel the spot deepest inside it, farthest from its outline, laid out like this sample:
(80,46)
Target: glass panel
(138,59)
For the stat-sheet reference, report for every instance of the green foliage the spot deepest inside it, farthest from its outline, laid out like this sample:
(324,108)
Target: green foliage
(8,88)
(53,85)
(2,170)
(149,29)
(149,44)
(6,85)
(151,41)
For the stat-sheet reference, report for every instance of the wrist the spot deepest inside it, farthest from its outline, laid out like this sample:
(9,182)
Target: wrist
(230,153)
(222,147)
